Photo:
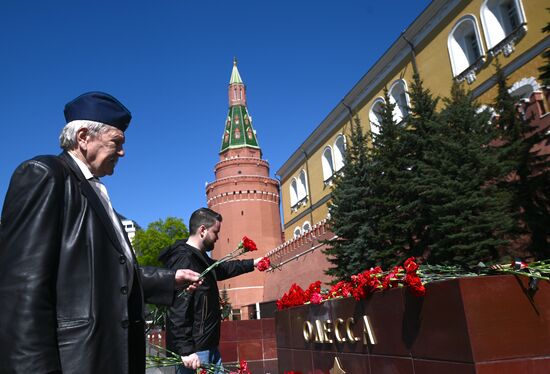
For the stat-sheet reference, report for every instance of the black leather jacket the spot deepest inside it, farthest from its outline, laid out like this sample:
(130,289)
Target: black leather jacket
(194,320)
(66,302)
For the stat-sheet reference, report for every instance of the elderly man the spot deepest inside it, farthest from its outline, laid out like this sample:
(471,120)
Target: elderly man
(71,289)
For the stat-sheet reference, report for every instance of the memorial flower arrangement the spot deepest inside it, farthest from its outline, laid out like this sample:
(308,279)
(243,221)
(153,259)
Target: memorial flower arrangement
(168,358)
(411,275)
(246,245)
(240,368)
(359,286)
(264,264)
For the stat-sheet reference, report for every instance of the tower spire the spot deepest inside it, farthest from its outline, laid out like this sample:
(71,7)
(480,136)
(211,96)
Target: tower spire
(238,131)
(235,76)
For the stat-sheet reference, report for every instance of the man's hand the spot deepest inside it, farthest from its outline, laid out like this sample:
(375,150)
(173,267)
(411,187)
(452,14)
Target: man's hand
(191,362)
(187,278)
(257,260)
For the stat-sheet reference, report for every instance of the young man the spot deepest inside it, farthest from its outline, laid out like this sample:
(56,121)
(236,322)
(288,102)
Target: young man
(193,328)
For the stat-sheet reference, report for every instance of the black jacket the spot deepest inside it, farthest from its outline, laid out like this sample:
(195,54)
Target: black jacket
(66,301)
(194,319)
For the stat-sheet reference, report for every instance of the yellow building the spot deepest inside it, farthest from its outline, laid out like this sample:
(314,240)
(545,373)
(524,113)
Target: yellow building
(450,40)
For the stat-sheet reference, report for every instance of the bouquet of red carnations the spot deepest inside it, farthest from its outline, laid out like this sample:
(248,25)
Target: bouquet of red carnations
(246,245)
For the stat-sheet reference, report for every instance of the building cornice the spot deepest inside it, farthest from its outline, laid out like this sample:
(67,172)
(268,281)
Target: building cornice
(241,178)
(396,55)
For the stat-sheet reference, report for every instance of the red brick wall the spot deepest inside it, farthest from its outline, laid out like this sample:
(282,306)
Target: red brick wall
(302,262)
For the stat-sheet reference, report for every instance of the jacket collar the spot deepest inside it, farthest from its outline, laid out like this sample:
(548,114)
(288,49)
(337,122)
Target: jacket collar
(93,199)
(203,258)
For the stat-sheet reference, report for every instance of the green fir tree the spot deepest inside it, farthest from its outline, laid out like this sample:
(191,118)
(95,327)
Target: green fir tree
(469,212)
(545,69)
(415,209)
(225,305)
(528,180)
(348,209)
(382,232)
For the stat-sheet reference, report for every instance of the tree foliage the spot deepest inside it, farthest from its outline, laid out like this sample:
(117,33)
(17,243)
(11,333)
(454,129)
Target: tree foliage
(545,69)
(158,235)
(225,304)
(386,171)
(529,172)
(348,208)
(469,213)
(452,186)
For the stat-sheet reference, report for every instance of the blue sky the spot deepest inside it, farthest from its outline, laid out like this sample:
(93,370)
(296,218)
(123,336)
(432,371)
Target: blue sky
(169,62)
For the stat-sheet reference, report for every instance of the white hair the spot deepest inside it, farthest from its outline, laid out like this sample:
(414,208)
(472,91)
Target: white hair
(67,138)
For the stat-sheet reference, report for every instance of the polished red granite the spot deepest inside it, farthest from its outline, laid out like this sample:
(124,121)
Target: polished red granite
(250,340)
(479,325)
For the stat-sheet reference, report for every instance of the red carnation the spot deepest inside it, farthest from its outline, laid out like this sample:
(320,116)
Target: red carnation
(243,367)
(264,264)
(410,265)
(414,283)
(248,244)
(316,298)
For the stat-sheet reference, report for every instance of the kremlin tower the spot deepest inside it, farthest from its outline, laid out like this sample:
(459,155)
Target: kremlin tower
(245,195)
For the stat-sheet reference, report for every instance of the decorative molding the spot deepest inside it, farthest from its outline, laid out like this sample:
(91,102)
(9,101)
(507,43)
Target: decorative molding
(470,73)
(531,81)
(507,45)
(521,60)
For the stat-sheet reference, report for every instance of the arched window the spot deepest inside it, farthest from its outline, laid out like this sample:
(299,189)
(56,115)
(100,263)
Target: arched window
(306,227)
(523,89)
(328,165)
(465,48)
(375,117)
(297,232)
(302,186)
(293,192)
(339,152)
(501,19)
(399,97)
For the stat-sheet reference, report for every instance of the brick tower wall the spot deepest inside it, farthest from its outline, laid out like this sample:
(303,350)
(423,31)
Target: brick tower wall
(248,200)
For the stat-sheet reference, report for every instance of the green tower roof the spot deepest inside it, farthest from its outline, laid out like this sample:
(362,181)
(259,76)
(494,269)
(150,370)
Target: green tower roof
(238,130)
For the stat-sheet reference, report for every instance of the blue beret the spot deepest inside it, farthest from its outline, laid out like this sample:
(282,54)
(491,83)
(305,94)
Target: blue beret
(99,107)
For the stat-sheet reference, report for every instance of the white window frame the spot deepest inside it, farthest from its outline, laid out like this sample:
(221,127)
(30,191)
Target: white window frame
(458,51)
(494,22)
(293,192)
(339,153)
(302,186)
(327,163)
(297,231)
(374,115)
(306,224)
(524,88)
(400,111)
